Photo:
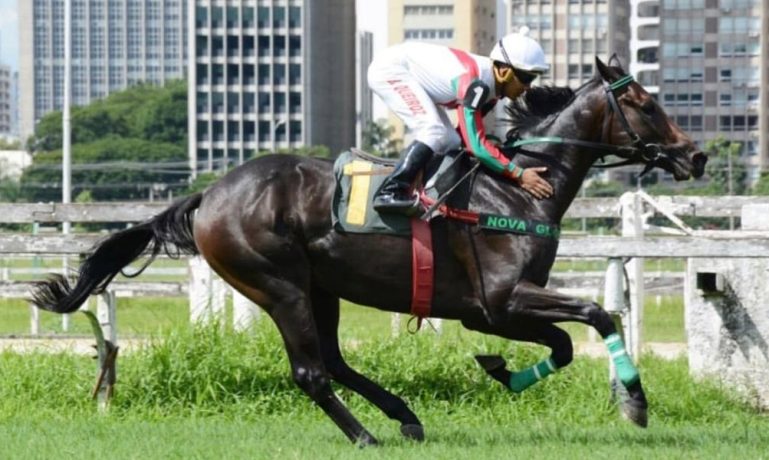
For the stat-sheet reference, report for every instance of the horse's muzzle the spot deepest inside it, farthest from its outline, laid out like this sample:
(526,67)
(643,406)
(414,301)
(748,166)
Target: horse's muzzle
(698,164)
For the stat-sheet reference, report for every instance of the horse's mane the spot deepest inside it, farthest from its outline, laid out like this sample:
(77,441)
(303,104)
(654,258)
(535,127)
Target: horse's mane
(536,104)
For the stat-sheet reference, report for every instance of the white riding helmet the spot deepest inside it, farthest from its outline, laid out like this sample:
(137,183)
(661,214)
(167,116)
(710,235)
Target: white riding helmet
(520,51)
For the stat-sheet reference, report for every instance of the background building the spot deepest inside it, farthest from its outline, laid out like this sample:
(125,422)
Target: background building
(365,97)
(15,119)
(572,33)
(270,75)
(713,71)
(469,25)
(115,44)
(6,101)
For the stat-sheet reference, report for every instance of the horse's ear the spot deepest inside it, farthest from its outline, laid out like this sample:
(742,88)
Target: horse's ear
(605,71)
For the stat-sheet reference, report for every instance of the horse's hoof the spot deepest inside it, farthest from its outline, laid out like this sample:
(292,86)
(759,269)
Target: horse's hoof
(490,362)
(411,431)
(635,412)
(366,440)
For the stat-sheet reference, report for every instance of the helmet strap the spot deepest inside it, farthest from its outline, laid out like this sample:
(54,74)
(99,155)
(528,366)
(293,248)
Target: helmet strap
(503,75)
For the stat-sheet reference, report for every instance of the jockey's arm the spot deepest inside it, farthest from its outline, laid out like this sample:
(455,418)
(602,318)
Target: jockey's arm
(473,133)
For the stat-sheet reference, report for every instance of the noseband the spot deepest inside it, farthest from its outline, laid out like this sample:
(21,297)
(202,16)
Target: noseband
(638,151)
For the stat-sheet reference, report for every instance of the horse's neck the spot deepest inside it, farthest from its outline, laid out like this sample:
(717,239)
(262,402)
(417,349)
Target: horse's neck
(573,163)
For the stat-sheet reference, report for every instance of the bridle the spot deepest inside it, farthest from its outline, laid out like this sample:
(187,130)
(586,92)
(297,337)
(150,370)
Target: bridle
(638,151)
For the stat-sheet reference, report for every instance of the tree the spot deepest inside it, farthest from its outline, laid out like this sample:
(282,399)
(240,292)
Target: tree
(378,138)
(761,186)
(122,146)
(112,169)
(144,111)
(725,168)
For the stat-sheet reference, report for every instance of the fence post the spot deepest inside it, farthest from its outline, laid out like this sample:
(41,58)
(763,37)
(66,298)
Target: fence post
(207,293)
(105,312)
(632,226)
(34,315)
(614,304)
(244,312)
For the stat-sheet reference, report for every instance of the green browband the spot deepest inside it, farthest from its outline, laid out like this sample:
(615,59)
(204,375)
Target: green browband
(523,226)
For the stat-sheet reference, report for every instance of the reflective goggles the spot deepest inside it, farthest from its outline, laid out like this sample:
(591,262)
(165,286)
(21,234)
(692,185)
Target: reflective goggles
(525,77)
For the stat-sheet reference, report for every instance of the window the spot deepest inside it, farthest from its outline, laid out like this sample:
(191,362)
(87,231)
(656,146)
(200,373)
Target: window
(695,124)
(294,74)
(726,75)
(725,100)
(279,17)
(264,102)
(264,74)
(294,17)
(696,99)
(573,71)
(279,75)
(295,102)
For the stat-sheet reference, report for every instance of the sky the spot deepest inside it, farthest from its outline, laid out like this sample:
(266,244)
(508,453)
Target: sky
(9,33)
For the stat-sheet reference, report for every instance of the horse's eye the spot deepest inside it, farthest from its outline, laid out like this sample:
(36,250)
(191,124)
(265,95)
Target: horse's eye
(649,108)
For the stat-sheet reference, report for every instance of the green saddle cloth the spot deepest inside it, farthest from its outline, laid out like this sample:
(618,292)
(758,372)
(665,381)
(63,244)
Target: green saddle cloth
(357,180)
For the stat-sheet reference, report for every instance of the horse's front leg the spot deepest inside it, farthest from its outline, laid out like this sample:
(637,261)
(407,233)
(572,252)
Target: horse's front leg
(540,332)
(531,302)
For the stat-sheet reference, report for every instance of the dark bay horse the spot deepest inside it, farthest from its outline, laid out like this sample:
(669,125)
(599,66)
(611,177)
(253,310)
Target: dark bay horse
(266,229)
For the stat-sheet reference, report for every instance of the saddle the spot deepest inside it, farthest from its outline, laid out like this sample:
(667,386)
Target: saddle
(359,175)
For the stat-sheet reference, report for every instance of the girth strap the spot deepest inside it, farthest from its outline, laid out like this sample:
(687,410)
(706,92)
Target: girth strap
(422,269)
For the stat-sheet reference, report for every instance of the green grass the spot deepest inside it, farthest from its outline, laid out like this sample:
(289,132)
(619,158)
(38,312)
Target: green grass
(204,394)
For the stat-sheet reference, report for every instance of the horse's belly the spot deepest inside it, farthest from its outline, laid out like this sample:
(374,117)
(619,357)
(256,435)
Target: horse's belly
(375,270)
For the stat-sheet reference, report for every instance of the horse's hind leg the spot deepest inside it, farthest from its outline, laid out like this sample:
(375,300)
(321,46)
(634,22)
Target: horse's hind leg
(326,312)
(294,319)
(290,307)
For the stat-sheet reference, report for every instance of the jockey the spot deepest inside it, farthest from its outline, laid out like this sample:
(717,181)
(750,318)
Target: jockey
(419,81)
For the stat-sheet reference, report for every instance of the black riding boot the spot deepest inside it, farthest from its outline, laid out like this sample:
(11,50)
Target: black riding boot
(394,195)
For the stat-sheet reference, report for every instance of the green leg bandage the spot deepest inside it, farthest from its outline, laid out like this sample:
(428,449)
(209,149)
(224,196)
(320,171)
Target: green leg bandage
(519,381)
(626,370)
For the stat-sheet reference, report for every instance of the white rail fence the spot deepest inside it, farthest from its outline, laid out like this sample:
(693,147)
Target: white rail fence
(207,293)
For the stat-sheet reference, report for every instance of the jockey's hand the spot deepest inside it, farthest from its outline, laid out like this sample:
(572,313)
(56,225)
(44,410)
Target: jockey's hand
(531,181)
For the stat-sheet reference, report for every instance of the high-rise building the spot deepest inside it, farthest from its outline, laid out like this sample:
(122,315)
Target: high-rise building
(365,102)
(15,104)
(268,75)
(469,25)
(573,33)
(6,86)
(713,68)
(115,44)
(645,43)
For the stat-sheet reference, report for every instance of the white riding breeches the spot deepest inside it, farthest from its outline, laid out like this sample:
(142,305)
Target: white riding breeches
(392,80)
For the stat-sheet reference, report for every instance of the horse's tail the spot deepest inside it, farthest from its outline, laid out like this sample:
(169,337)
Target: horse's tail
(169,231)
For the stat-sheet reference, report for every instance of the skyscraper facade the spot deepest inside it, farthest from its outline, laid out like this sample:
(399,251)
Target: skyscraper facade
(365,102)
(713,69)
(115,44)
(268,75)
(6,88)
(573,33)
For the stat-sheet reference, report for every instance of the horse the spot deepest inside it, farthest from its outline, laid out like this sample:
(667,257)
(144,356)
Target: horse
(266,229)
